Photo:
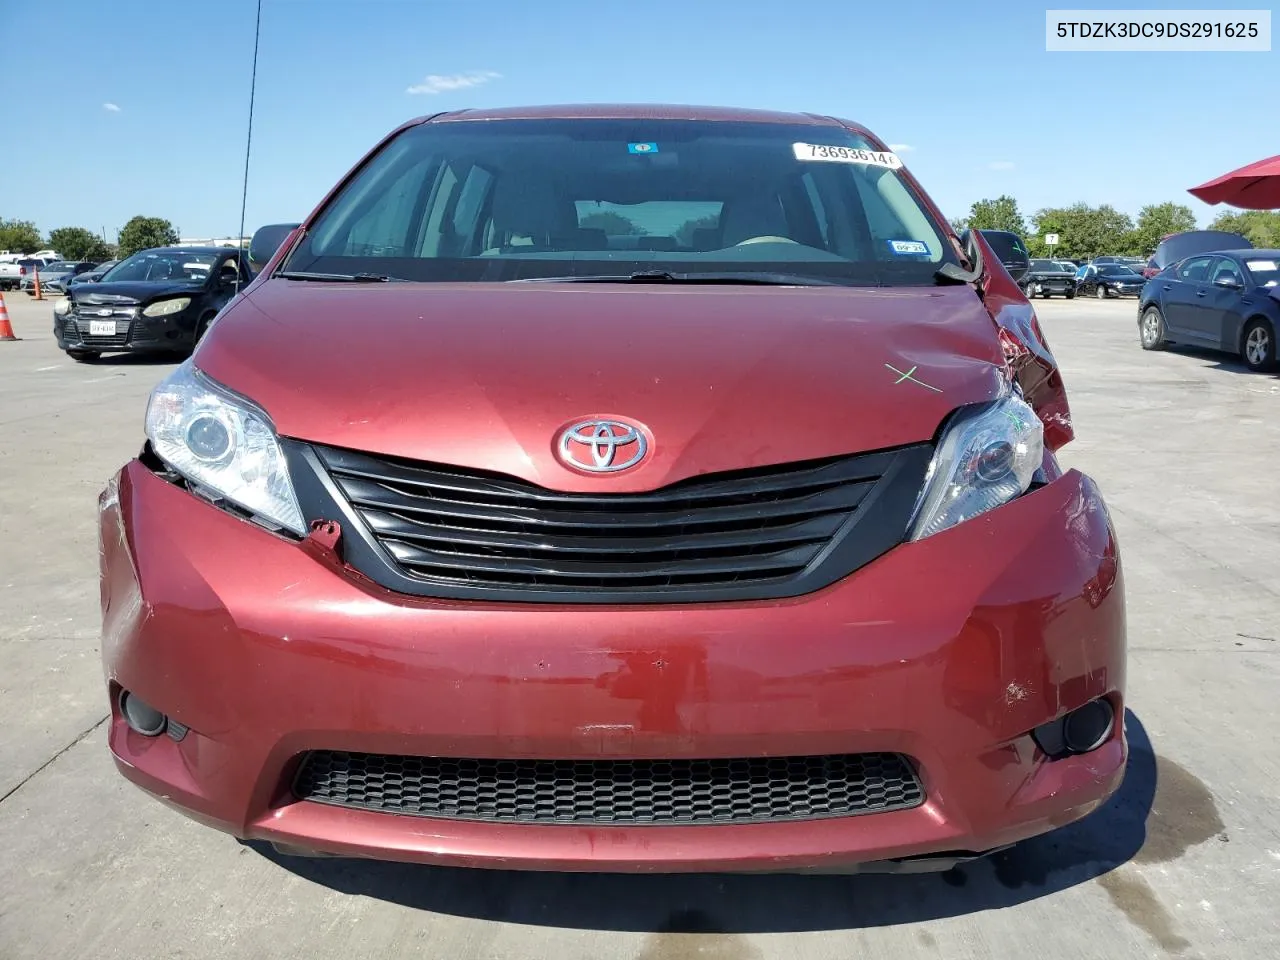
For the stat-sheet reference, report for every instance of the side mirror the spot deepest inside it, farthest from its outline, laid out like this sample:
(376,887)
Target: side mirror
(1229,283)
(266,241)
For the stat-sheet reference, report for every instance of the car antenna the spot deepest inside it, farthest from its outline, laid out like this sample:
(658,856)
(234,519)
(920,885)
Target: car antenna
(248,143)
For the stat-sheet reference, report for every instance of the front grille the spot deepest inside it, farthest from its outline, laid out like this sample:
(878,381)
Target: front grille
(653,792)
(762,528)
(74,329)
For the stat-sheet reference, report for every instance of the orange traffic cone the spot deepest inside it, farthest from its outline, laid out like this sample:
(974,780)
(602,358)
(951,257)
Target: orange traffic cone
(38,296)
(6,328)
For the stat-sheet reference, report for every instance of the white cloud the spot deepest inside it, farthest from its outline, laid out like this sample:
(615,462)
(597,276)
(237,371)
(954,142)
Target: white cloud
(111,107)
(435,83)
(1000,165)
(901,147)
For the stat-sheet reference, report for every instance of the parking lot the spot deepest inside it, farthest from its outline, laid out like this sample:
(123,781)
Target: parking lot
(1184,861)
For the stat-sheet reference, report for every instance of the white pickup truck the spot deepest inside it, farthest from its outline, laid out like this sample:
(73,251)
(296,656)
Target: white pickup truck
(15,266)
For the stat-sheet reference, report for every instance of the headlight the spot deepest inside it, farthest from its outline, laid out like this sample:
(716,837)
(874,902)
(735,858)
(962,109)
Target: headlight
(166,307)
(62,307)
(987,456)
(224,444)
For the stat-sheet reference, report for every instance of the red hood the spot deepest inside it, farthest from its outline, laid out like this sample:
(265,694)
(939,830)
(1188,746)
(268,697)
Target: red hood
(723,378)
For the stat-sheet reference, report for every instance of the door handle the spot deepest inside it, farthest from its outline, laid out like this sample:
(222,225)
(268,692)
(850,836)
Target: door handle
(1168,286)
(1199,293)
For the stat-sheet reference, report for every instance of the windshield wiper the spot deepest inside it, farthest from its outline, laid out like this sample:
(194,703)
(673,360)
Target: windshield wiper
(667,276)
(341,277)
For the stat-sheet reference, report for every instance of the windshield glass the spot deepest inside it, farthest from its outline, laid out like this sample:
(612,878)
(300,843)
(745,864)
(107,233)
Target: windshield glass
(1046,265)
(162,265)
(1115,270)
(527,199)
(1265,273)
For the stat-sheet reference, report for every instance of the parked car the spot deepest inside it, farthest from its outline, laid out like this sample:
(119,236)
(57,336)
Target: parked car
(1179,246)
(404,543)
(1011,251)
(54,277)
(1224,301)
(155,300)
(14,272)
(1108,280)
(1047,278)
(94,275)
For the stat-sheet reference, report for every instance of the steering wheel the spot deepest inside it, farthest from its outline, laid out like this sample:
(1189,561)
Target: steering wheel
(743,243)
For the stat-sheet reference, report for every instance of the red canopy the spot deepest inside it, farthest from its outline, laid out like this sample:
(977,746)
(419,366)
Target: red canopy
(1255,187)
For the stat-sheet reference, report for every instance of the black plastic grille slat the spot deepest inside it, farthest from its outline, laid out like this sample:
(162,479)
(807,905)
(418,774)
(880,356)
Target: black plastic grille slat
(623,792)
(453,526)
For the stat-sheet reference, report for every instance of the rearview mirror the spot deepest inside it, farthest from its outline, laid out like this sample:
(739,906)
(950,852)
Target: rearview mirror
(1230,283)
(266,241)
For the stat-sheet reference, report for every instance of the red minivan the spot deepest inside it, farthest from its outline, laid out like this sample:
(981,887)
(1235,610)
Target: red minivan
(618,488)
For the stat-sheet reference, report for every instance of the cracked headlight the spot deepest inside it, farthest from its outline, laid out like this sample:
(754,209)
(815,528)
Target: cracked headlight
(223,444)
(988,455)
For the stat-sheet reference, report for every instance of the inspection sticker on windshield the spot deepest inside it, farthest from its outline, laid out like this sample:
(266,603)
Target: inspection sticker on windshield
(830,154)
(642,148)
(909,247)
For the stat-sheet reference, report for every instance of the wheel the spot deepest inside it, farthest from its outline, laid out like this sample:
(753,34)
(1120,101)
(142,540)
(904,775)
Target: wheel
(1100,292)
(1259,352)
(1151,329)
(1071,294)
(1029,292)
(202,327)
(83,356)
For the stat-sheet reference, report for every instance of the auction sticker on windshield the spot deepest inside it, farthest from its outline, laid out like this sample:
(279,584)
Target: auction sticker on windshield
(832,154)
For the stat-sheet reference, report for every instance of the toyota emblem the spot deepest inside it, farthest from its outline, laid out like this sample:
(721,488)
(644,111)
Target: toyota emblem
(602,446)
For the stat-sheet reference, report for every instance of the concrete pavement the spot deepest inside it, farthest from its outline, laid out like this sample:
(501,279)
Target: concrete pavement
(1185,862)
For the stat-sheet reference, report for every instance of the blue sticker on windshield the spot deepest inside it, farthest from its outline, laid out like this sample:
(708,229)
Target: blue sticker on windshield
(909,247)
(642,148)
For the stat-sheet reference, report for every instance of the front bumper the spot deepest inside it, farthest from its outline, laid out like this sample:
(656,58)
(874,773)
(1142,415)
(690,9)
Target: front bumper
(949,650)
(136,334)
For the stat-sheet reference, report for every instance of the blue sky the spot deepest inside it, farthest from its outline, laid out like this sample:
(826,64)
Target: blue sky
(141,106)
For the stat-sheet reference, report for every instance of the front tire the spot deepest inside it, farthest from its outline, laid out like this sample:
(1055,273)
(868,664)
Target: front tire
(1100,292)
(84,356)
(1071,294)
(1151,329)
(1258,349)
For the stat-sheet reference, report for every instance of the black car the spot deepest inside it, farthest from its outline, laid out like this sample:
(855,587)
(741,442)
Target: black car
(1011,251)
(156,300)
(1048,278)
(1109,280)
(1225,301)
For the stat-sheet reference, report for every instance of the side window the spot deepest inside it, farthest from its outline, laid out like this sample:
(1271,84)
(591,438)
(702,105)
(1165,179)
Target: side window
(1195,270)
(1225,269)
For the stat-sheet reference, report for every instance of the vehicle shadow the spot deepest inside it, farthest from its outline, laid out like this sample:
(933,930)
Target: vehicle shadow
(738,903)
(137,359)
(1217,359)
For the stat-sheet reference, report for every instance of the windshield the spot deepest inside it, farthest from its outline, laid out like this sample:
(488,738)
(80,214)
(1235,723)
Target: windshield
(1265,273)
(1115,270)
(162,265)
(1046,265)
(521,199)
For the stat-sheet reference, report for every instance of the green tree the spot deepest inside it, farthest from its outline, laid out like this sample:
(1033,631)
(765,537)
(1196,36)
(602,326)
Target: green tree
(998,214)
(1083,231)
(1262,227)
(1158,220)
(77,243)
(684,235)
(19,236)
(614,224)
(143,233)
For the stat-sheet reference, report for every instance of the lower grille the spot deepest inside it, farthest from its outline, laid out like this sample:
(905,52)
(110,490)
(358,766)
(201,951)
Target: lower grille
(74,330)
(638,792)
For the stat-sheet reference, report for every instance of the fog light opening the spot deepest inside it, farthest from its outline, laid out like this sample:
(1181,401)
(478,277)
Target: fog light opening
(141,717)
(1082,730)
(1088,727)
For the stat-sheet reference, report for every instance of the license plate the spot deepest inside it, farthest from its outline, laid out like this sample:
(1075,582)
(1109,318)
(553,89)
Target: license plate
(102,328)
